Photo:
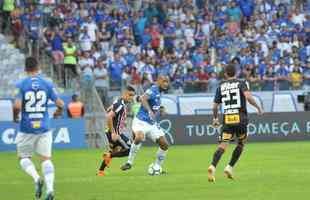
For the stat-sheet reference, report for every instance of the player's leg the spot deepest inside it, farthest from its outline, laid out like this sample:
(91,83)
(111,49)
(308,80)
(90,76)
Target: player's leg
(139,129)
(135,147)
(44,150)
(159,136)
(228,171)
(106,158)
(120,148)
(25,148)
(224,142)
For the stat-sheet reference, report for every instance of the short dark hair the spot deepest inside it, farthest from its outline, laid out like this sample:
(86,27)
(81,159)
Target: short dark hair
(74,97)
(130,88)
(31,64)
(230,70)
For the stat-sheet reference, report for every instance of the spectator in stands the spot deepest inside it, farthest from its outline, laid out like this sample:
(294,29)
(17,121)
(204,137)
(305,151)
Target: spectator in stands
(282,74)
(102,81)
(91,28)
(190,81)
(7,7)
(57,51)
(296,78)
(115,68)
(32,19)
(85,40)
(17,27)
(202,77)
(269,79)
(75,107)
(213,82)
(306,76)
(85,61)
(142,38)
(70,60)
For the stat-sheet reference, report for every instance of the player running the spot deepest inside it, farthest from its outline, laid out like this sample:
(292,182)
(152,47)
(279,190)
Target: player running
(32,98)
(119,143)
(233,94)
(145,124)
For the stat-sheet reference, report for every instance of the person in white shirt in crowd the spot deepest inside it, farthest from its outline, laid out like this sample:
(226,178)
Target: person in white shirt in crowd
(85,40)
(102,80)
(91,28)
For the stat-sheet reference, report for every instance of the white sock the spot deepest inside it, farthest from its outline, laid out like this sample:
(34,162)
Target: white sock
(161,155)
(49,175)
(133,152)
(28,166)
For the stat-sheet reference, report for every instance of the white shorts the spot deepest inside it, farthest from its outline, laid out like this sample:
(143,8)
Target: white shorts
(153,132)
(26,144)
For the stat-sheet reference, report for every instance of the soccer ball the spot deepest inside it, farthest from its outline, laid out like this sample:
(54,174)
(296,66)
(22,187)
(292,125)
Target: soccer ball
(154,170)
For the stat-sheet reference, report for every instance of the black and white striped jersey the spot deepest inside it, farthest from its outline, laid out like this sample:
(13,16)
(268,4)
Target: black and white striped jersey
(120,109)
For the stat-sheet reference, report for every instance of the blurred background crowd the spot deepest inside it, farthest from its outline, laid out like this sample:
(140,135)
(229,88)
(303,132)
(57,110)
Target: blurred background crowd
(109,44)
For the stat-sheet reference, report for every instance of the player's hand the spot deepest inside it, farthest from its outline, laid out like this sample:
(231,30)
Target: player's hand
(215,122)
(152,115)
(260,111)
(114,136)
(162,111)
(57,113)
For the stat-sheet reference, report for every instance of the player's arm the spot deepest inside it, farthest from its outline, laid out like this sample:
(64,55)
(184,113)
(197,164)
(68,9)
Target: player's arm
(113,110)
(252,101)
(60,105)
(216,104)
(16,109)
(162,110)
(58,102)
(248,95)
(83,111)
(144,101)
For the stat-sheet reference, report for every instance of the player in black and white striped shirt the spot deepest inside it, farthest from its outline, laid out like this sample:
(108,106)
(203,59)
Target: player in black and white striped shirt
(116,116)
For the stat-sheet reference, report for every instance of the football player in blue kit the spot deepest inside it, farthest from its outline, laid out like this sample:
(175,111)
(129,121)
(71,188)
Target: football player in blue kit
(145,124)
(34,134)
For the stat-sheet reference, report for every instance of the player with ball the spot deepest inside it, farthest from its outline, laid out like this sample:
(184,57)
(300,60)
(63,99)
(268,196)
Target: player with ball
(146,125)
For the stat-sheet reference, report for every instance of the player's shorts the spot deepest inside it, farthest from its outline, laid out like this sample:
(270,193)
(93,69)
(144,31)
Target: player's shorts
(124,141)
(27,144)
(152,131)
(229,132)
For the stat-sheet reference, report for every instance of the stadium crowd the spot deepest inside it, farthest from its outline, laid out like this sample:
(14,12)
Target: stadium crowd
(112,43)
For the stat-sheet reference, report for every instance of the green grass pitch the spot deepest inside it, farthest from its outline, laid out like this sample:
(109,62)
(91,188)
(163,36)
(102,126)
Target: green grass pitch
(266,171)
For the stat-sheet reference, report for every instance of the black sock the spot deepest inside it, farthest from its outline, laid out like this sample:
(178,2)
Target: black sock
(217,156)
(102,166)
(236,155)
(122,153)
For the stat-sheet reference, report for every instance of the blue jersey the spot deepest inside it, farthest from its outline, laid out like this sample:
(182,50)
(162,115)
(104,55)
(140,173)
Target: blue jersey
(35,92)
(154,102)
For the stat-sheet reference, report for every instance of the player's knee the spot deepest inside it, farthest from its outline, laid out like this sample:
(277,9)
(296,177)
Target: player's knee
(163,144)
(44,158)
(223,146)
(241,144)
(138,138)
(126,153)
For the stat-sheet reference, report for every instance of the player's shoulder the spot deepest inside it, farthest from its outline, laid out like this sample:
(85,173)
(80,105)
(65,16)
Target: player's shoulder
(45,80)
(154,89)
(118,105)
(119,102)
(23,83)
(244,83)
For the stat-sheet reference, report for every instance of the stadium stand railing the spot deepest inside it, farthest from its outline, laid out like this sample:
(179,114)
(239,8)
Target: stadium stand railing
(11,67)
